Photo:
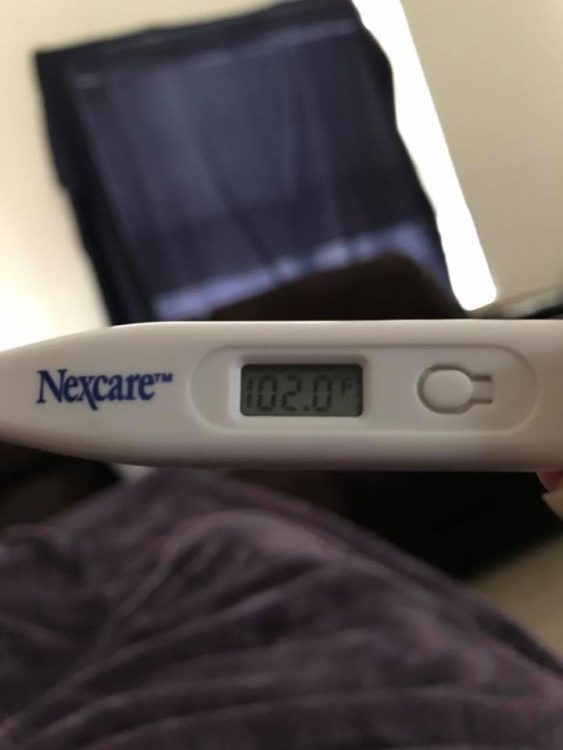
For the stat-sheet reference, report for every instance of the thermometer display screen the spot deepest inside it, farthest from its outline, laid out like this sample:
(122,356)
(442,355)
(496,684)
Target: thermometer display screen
(302,390)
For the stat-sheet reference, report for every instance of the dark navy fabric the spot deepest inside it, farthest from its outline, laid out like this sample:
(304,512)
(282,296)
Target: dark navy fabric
(211,162)
(194,611)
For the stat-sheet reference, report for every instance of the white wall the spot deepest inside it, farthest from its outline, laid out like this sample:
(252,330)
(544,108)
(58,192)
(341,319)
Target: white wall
(495,69)
(420,128)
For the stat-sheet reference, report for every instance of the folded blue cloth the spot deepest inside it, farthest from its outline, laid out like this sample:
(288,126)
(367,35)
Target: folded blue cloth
(212,162)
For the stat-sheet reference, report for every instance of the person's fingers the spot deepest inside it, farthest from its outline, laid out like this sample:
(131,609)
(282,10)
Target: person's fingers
(553,482)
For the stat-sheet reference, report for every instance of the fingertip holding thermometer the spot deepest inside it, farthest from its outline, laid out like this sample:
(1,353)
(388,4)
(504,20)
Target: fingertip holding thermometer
(459,394)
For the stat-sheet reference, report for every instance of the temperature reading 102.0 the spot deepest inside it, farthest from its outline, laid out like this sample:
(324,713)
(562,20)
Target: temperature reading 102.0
(301,391)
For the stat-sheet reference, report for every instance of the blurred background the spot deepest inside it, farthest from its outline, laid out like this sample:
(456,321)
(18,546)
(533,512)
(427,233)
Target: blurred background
(226,159)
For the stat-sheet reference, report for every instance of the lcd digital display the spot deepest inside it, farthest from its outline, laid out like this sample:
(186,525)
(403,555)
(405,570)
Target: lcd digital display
(302,390)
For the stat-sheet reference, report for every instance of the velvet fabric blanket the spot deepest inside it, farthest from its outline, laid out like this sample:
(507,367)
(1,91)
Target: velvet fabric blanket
(191,610)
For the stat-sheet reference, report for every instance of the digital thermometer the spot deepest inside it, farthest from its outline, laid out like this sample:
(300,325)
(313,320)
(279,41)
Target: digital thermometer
(390,395)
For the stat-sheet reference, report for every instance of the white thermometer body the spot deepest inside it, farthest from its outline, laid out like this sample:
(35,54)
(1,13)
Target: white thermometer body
(390,395)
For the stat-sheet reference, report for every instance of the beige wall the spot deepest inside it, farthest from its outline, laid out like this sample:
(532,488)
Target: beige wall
(502,114)
(46,284)
(495,69)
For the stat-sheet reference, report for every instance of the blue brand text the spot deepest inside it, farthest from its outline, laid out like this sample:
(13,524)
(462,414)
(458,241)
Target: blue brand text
(95,389)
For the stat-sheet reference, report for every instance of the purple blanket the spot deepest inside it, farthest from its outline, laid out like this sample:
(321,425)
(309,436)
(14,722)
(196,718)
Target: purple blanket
(193,611)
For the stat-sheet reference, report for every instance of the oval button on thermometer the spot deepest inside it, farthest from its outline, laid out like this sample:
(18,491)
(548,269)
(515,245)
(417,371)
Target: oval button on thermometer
(456,394)
(448,390)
